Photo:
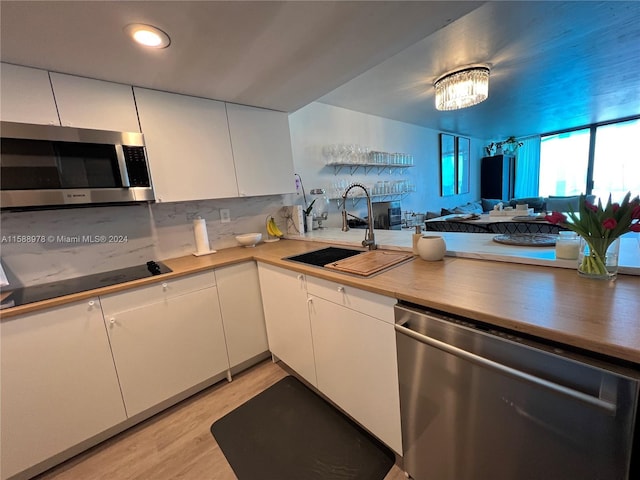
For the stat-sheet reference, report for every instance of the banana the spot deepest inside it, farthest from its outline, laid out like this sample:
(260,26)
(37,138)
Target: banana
(272,228)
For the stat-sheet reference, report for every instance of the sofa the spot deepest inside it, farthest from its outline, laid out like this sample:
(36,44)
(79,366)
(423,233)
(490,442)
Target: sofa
(539,205)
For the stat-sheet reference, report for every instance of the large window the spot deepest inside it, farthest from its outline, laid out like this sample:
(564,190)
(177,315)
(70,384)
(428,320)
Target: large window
(616,166)
(600,160)
(564,159)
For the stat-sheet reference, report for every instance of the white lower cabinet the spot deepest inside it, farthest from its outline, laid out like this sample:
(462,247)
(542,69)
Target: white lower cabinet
(284,300)
(242,315)
(355,355)
(166,338)
(342,340)
(59,385)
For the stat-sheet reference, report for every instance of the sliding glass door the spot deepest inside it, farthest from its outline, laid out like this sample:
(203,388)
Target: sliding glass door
(616,166)
(599,160)
(564,159)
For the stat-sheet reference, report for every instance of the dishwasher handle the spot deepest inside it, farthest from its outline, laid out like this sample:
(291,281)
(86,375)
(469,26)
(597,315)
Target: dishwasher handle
(609,407)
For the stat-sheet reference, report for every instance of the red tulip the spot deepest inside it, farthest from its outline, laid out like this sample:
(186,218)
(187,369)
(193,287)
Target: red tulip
(615,207)
(591,206)
(636,212)
(635,227)
(610,223)
(556,217)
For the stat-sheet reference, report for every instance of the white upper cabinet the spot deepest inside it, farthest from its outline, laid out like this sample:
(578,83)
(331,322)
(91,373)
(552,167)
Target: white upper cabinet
(26,96)
(261,150)
(188,146)
(88,103)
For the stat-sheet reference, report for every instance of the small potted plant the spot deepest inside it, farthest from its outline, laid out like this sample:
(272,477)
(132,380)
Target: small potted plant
(508,146)
(511,145)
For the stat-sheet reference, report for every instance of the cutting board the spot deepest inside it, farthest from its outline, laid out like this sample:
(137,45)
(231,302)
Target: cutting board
(369,262)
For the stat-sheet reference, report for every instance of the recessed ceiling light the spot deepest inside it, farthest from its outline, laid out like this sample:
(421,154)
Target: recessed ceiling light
(147,35)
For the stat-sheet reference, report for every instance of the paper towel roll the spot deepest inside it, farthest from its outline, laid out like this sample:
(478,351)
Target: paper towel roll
(200,232)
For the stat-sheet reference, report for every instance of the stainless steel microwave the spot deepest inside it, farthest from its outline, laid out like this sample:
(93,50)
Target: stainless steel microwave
(46,166)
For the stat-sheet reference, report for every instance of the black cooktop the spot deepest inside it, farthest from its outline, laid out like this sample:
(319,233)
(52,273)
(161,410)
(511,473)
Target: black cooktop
(45,291)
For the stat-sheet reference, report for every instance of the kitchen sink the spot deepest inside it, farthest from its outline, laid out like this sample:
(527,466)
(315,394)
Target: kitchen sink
(349,261)
(321,257)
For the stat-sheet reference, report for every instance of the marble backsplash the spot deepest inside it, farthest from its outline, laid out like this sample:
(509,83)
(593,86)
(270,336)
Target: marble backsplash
(49,245)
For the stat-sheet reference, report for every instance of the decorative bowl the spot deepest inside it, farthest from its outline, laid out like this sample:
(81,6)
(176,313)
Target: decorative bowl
(249,239)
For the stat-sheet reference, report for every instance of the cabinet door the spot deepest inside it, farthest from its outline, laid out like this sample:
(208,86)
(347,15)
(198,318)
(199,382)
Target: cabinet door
(59,385)
(26,96)
(497,177)
(188,146)
(242,316)
(88,103)
(356,366)
(284,299)
(373,304)
(261,150)
(165,348)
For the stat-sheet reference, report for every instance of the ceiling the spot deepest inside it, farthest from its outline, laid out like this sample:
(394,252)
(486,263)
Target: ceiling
(554,65)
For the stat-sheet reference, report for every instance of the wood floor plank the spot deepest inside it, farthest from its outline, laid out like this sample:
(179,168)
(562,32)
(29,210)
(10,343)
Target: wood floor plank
(177,443)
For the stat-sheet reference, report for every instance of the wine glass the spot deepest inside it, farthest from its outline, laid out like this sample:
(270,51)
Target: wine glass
(328,154)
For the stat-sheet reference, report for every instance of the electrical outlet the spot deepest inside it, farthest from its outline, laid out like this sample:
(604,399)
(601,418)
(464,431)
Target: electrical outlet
(225,215)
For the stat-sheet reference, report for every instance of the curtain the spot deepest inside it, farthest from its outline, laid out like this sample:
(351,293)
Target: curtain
(527,167)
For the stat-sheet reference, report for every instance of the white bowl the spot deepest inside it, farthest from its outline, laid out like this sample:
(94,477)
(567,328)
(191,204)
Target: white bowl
(249,239)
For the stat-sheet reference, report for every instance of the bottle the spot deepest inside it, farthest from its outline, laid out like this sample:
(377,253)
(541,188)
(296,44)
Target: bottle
(416,237)
(567,245)
(320,207)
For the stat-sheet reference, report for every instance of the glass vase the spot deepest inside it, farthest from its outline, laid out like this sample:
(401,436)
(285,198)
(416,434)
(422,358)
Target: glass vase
(596,262)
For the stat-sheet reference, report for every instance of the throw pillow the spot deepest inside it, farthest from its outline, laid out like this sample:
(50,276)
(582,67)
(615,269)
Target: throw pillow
(563,204)
(489,203)
(468,208)
(537,203)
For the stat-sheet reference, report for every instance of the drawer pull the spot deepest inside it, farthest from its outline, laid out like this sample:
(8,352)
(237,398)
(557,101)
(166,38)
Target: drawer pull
(165,286)
(112,321)
(92,303)
(341,289)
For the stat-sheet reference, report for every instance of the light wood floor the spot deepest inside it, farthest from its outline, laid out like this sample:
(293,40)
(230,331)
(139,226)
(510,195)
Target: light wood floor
(177,443)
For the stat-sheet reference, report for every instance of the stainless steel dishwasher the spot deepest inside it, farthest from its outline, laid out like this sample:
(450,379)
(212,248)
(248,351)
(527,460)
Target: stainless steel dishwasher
(482,404)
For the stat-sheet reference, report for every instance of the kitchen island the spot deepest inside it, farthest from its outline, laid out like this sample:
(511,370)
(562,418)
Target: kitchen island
(551,303)
(570,313)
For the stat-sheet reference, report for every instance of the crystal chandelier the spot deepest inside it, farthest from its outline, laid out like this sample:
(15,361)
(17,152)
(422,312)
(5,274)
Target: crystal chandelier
(462,88)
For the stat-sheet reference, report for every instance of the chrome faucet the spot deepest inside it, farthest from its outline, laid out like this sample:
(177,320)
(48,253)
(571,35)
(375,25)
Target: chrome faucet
(369,237)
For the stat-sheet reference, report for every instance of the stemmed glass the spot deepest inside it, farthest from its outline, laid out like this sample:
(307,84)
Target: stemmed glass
(328,154)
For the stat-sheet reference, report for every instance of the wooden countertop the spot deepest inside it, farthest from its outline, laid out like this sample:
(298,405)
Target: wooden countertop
(552,303)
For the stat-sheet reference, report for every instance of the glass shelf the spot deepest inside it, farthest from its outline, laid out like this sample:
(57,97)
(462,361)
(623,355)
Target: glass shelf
(368,167)
(384,197)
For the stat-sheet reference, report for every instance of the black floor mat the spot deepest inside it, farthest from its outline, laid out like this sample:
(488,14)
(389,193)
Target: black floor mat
(288,432)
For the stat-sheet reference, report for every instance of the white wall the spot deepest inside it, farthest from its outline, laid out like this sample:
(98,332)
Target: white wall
(318,124)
